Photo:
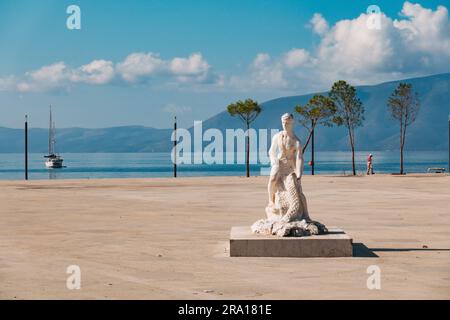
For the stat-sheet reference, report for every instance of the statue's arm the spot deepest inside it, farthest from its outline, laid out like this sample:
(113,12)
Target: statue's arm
(273,150)
(299,160)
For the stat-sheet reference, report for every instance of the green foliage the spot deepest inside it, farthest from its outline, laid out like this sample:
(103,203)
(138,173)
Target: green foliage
(350,110)
(319,110)
(247,110)
(404,104)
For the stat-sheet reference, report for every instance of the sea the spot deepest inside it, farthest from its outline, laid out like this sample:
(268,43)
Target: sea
(148,165)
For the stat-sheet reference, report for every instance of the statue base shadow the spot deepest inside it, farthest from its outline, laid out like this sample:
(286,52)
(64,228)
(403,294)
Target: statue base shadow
(244,243)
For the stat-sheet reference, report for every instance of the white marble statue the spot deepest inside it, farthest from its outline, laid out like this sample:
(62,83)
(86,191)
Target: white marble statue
(287,211)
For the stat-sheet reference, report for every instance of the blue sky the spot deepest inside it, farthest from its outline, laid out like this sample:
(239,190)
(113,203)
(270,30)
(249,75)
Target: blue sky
(139,62)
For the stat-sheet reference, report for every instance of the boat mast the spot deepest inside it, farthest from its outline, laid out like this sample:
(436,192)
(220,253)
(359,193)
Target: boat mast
(50,134)
(54,138)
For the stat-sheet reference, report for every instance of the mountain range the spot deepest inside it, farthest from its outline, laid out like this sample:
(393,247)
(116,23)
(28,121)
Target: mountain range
(379,132)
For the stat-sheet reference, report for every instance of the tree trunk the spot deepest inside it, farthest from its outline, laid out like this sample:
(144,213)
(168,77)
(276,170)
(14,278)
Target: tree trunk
(247,160)
(352,145)
(353,160)
(402,171)
(307,140)
(401,160)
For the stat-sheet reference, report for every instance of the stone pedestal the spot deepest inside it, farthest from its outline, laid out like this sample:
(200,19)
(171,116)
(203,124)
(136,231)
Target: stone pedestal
(244,243)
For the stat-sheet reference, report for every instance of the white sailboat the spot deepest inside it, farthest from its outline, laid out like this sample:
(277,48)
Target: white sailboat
(53,160)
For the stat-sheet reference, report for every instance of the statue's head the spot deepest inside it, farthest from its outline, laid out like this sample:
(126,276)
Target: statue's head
(287,120)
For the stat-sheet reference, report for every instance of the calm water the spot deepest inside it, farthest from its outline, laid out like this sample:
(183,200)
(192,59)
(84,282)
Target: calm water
(128,165)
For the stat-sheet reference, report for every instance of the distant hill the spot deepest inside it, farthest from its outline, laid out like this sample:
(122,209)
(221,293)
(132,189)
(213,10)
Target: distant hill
(380,132)
(115,139)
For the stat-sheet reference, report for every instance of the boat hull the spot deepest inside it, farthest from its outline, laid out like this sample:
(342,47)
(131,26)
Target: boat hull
(54,163)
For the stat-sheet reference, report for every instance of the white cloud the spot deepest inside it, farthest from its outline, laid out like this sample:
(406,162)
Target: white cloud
(52,73)
(194,65)
(418,43)
(319,24)
(350,49)
(136,67)
(58,76)
(140,65)
(296,57)
(96,72)
(425,31)
(265,72)
(261,60)
(46,78)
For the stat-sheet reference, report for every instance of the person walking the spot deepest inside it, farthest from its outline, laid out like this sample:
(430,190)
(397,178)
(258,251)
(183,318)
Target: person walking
(369,164)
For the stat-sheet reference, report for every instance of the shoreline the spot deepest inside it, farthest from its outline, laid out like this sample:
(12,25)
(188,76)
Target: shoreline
(406,175)
(131,165)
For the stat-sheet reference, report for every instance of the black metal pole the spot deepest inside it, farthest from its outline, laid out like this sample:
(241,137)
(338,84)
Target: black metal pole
(312,152)
(175,149)
(26,147)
